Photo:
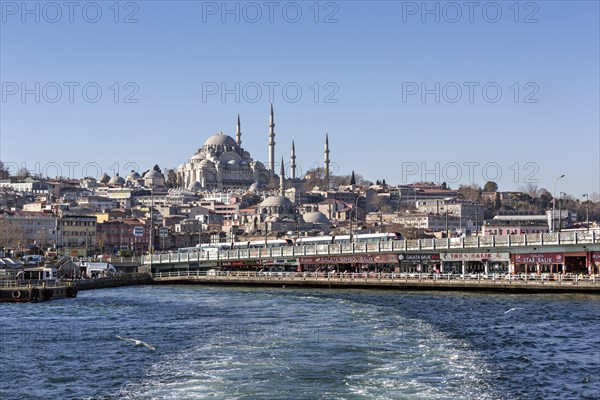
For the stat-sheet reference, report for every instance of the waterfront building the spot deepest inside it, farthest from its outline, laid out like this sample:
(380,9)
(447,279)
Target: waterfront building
(131,233)
(27,228)
(77,233)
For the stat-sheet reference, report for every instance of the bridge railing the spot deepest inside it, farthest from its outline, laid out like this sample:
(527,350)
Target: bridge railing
(400,277)
(495,241)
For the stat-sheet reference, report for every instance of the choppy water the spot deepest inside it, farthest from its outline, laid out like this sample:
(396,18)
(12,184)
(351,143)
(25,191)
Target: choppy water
(257,343)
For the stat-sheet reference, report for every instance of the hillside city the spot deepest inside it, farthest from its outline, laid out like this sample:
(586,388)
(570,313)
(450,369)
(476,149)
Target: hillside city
(116,215)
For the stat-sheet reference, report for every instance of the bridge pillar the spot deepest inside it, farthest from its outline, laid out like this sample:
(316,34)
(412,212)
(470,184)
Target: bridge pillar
(538,268)
(464,267)
(486,267)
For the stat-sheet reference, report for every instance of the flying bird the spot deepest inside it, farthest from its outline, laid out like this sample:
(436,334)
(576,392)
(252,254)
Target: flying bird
(137,342)
(513,309)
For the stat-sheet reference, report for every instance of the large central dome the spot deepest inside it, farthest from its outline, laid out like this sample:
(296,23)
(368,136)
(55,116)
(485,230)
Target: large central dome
(221,163)
(220,139)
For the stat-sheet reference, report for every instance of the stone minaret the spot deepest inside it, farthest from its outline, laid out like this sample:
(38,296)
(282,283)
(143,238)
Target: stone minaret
(282,178)
(272,142)
(326,160)
(238,132)
(293,161)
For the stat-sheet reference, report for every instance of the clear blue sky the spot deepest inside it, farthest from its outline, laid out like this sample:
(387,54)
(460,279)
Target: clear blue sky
(374,58)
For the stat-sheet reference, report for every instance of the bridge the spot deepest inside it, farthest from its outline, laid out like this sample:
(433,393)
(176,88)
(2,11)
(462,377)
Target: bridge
(582,243)
(522,283)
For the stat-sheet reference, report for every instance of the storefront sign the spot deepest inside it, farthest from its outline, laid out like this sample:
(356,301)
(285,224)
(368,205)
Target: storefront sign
(418,257)
(475,256)
(538,258)
(281,261)
(356,259)
(246,263)
(595,256)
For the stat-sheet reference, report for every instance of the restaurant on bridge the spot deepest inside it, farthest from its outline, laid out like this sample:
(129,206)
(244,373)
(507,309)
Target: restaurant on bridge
(475,263)
(419,262)
(553,263)
(351,263)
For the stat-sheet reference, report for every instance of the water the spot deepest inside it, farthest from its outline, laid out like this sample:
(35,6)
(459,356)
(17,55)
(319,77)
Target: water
(257,343)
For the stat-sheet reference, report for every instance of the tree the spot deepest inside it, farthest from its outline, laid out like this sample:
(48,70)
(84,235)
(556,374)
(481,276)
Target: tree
(12,235)
(490,186)
(530,188)
(3,171)
(22,173)
(470,192)
(172,180)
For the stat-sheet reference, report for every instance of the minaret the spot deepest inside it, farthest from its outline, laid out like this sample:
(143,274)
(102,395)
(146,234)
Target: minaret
(272,142)
(326,160)
(293,161)
(238,132)
(281,178)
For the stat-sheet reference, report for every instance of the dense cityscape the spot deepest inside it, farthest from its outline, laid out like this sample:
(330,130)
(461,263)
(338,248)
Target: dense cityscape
(222,195)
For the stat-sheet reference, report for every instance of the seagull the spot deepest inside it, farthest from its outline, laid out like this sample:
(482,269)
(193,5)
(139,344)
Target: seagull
(137,342)
(513,309)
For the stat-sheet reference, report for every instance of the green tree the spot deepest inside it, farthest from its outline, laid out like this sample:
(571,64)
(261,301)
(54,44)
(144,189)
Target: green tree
(490,186)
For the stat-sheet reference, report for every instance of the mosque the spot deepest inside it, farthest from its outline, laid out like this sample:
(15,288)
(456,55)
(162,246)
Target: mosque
(223,164)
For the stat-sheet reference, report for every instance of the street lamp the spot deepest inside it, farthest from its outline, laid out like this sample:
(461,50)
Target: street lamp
(151,227)
(560,196)
(355,216)
(587,211)
(554,202)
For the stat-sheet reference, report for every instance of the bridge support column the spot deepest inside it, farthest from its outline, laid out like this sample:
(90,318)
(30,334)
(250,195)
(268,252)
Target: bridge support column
(486,267)
(464,267)
(538,268)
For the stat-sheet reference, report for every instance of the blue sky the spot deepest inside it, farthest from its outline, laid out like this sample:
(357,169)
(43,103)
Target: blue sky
(404,97)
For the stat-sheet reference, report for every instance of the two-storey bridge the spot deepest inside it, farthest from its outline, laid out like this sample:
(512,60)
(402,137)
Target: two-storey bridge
(553,258)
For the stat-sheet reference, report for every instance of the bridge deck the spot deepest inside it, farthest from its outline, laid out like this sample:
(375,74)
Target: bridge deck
(590,239)
(539,283)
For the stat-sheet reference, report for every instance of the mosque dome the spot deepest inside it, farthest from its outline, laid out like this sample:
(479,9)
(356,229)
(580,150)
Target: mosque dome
(255,187)
(220,139)
(277,201)
(116,180)
(197,157)
(133,175)
(152,174)
(316,217)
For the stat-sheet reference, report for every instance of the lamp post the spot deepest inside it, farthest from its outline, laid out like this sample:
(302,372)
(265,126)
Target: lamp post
(151,227)
(355,216)
(554,202)
(560,196)
(587,211)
